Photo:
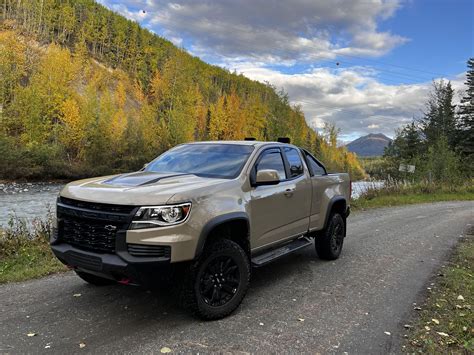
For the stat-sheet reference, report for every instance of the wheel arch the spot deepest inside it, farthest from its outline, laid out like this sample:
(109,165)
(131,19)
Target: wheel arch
(239,233)
(336,204)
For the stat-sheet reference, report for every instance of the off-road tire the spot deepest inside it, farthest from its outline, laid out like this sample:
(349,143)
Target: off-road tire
(197,280)
(94,280)
(329,242)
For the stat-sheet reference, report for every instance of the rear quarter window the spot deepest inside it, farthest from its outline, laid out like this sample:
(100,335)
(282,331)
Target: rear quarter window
(294,160)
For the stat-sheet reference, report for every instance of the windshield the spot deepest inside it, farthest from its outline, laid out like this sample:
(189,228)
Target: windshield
(208,160)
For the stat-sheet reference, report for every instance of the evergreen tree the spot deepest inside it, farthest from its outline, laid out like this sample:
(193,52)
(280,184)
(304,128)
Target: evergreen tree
(440,118)
(465,131)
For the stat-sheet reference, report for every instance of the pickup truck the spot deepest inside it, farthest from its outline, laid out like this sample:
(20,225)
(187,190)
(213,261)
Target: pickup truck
(205,213)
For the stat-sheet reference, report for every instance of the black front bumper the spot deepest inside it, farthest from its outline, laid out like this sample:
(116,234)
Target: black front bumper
(121,268)
(91,237)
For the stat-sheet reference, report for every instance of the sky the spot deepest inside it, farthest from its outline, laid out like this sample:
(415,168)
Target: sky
(365,65)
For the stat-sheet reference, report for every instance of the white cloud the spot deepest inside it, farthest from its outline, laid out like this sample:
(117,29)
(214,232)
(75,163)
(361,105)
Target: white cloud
(302,30)
(357,103)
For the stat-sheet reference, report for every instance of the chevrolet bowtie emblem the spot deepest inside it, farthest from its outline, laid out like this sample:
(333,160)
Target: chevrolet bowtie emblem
(110,227)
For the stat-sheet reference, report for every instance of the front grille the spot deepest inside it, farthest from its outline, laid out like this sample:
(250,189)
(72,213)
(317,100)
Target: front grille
(149,250)
(89,234)
(91,226)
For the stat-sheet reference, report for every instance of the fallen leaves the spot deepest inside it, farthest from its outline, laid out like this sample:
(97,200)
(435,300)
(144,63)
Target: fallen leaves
(32,334)
(301,319)
(435,321)
(387,333)
(165,350)
(443,334)
(77,295)
(460,298)
(82,345)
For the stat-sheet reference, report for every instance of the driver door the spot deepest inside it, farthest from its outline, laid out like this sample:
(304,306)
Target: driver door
(277,211)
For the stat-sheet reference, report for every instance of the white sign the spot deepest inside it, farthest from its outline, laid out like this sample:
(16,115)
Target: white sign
(406,168)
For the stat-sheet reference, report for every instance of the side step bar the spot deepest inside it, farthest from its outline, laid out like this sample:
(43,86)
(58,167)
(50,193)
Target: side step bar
(273,254)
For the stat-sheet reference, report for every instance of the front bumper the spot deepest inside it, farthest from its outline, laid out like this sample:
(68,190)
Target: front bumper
(119,267)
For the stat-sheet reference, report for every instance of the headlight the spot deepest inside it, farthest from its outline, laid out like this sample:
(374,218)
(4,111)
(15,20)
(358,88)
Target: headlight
(160,216)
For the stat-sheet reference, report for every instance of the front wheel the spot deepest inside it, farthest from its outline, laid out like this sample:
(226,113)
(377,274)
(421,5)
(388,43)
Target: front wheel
(329,242)
(216,284)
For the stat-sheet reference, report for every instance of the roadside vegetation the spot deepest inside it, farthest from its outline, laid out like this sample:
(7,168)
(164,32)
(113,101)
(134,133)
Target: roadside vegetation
(25,252)
(395,193)
(445,324)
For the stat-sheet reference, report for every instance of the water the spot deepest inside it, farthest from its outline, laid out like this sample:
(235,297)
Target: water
(34,200)
(359,187)
(27,201)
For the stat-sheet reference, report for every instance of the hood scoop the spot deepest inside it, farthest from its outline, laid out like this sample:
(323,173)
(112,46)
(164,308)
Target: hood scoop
(140,178)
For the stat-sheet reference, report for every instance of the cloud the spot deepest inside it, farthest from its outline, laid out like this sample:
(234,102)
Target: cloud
(356,102)
(288,31)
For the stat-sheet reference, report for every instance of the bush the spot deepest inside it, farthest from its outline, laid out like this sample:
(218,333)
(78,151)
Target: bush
(25,251)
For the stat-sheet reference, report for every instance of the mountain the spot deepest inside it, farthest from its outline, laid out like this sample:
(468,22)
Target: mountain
(371,145)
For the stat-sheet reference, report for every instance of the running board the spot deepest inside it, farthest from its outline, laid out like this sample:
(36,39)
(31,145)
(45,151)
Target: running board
(271,255)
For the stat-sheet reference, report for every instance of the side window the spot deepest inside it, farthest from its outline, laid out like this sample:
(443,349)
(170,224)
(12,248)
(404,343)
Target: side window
(272,159)
(316,169)
(296,165)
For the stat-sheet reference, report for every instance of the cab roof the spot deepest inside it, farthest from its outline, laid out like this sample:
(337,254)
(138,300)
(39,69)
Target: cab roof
(243,142)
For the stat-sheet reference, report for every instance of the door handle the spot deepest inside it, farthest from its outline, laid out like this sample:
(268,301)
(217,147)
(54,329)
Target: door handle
(289,192)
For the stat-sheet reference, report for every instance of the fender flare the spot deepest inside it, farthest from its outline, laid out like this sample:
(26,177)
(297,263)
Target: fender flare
(217,221)
(331,204)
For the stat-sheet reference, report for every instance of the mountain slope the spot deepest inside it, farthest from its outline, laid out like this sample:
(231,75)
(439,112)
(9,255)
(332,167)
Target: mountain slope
(371,145)
(122,95)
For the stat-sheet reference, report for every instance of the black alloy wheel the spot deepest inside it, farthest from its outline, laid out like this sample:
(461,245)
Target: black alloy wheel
(329,241)
(337,238)
(219,281)
(216,283)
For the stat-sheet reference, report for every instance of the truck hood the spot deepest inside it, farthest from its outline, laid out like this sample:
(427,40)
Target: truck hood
(138,188)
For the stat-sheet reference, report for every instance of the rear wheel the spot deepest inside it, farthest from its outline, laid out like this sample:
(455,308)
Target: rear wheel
(216,284)
(94,280)
(329,242)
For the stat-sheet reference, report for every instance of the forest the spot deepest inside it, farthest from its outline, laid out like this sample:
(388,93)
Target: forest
(84,91)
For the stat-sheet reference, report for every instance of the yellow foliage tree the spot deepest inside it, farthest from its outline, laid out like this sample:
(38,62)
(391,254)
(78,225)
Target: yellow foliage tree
(74,130)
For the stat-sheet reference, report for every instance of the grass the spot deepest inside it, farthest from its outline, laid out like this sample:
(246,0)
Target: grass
(396,194)
(446,321)
(25,252)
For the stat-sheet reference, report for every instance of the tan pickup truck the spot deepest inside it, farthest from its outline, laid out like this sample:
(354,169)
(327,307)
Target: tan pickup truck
(206,213)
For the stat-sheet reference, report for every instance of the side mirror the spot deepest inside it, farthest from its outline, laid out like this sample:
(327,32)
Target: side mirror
(267,177)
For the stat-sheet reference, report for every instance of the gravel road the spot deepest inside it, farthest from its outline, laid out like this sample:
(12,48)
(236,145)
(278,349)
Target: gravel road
(297,304)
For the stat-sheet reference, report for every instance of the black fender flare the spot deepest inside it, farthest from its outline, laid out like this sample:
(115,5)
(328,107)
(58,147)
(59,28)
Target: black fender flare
(217,221)
(331,204)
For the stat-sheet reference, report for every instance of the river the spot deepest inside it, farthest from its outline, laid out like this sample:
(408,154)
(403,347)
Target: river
(28,201)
